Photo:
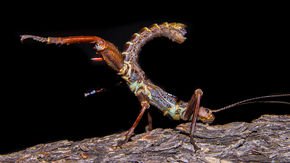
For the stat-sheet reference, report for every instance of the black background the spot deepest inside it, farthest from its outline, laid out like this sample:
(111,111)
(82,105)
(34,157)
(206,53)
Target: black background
(233,52)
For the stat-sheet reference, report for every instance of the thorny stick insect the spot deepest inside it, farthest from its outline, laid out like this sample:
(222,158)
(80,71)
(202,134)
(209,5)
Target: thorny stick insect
(126,65)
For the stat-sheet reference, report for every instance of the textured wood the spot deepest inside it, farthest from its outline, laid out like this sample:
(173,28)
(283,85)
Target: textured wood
(266,139)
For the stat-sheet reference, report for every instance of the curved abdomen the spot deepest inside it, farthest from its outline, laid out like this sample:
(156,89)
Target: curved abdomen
(135,76)
(173,31)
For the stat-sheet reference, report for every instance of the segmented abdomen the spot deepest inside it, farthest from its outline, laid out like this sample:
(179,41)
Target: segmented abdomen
(135,76)
(173,31)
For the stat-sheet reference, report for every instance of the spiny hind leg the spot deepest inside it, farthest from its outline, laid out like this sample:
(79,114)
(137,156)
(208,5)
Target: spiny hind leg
(64,40)
(99,42)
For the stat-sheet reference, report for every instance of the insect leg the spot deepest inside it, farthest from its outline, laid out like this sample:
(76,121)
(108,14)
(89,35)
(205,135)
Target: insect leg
(149,127)
(64,40)
(193,108)
(109,51)
(145,105)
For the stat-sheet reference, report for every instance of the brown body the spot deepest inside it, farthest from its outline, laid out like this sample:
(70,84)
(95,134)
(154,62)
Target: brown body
(126,65)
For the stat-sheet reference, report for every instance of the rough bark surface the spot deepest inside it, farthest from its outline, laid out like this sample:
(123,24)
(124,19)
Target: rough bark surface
(266,139)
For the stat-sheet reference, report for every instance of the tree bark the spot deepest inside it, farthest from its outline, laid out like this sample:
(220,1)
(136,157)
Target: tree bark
(266,139)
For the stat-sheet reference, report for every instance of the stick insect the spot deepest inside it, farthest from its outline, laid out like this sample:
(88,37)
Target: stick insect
(126,65)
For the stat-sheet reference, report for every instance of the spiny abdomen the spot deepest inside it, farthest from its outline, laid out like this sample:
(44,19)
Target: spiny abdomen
(173,31)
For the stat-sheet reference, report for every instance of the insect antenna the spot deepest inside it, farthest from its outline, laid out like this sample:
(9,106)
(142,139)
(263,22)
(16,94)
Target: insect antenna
(255,100)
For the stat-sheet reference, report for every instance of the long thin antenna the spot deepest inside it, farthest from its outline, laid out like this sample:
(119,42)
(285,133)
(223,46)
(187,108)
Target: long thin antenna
(254,100)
